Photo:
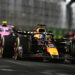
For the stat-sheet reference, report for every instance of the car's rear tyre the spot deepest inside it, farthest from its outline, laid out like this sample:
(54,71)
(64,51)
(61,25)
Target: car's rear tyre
(1,51)
(17,46)
(8,46)
(23,47)
(73,49)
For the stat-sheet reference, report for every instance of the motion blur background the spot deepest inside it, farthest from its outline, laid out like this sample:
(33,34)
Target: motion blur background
(28,13)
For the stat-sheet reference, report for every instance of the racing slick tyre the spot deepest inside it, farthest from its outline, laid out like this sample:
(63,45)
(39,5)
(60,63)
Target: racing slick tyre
(17,49)
(1,48)
(22,48)
(2,52)
(8,46)
(73,52)
(73,49)
(70,56)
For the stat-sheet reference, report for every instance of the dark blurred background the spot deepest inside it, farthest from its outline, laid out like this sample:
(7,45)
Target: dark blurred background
(28,13)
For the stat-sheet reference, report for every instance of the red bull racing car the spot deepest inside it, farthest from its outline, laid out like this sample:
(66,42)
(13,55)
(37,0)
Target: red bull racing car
(36,44)
(41,43)
(28,45)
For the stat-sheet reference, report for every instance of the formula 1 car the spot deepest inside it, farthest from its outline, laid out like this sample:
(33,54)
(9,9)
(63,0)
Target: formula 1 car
(66,47)
(27,45)
(36,44)
(7,37)
(41,43)
(70,37)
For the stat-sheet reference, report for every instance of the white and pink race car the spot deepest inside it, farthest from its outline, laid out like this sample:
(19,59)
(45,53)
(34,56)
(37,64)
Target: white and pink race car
(5,30)
(6,40)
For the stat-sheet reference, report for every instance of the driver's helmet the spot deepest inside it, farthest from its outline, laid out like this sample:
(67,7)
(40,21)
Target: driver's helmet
(4,23)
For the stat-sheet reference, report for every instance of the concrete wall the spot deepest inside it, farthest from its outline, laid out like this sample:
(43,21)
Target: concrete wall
(32,12)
